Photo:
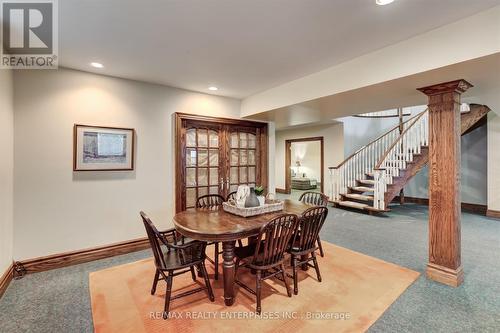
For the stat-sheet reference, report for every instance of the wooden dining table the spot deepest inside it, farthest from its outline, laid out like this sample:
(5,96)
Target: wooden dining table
(221,226)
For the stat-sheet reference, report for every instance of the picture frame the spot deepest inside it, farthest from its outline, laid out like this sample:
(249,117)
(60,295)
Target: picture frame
(101,148)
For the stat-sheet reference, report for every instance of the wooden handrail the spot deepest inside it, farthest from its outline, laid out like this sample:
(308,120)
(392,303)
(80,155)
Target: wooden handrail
(372,142)
(417,117)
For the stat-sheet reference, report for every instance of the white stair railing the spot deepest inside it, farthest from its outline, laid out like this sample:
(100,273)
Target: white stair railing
(397,156)
(361,162)
(382,114)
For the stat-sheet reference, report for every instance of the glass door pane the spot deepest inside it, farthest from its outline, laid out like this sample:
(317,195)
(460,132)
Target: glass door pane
(202,169)
(242,158)
(217,157)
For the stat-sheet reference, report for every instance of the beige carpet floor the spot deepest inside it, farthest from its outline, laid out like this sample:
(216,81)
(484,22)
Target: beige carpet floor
(355,291)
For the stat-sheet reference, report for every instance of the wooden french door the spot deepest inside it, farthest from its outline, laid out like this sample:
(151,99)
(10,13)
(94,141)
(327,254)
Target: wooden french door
(216,155)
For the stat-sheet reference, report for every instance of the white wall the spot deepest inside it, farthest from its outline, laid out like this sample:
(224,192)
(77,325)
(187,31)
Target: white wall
(474,171)
(494,160)
(309,155)
(492,170)
(271,132)
(333,142)
(474,158)
(58,210)
(6,169)
(360,131)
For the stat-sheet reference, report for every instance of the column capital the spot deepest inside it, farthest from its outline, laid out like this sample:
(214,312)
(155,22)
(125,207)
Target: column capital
(458,86)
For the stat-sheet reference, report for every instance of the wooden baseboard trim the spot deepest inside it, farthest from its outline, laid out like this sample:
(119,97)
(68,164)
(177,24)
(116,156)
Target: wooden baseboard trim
(445,275)
(5,279)
(493,213)
(474,208)
(78,257)
(468,207)
(281,190)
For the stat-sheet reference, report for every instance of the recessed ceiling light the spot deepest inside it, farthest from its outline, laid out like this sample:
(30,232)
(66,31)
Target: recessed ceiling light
(383,2)
(96,65)
(212,88)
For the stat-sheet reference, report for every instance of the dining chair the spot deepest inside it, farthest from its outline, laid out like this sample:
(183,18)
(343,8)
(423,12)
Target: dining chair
(178,259)
(231,196)
(267,255)
(303,248)
(317,199)
(212,202)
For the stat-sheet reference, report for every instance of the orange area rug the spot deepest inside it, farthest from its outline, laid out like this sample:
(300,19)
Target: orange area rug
(355,291)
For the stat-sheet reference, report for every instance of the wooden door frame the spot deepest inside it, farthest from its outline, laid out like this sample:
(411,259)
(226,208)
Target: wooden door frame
(179,154)
(288,161)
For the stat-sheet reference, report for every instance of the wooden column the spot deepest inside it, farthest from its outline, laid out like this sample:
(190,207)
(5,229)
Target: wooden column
(444,181)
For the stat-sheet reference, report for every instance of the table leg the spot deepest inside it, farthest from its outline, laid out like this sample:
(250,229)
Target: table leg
(228,270)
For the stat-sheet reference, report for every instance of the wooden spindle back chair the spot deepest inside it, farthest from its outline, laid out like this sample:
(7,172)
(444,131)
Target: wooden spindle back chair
(316,199)
(178,259)
(210,201)
(269,254)
(155,238)
(231,196)
(273,240)
(304,244)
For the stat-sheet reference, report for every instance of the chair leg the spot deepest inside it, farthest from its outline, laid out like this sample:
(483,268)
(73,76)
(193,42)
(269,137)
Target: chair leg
(207,282)
(168,294)
(155,282)
(240,243)
(216,260)
(316,266)
(193,274)
(285,281)
(258,290)
(198,269)
(321,253)
(294,269)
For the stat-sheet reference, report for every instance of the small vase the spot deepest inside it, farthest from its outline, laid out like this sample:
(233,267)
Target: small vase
(252,200)
(262,200)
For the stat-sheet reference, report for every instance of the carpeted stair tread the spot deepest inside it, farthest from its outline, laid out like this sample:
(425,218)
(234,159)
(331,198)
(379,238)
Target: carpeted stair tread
(362,189)
(353,204)
(360,197)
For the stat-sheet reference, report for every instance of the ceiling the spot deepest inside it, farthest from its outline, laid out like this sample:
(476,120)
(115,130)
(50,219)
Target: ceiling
(482,72)
(240,46)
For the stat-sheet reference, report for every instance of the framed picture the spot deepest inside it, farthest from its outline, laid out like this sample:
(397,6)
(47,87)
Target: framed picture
(97,148)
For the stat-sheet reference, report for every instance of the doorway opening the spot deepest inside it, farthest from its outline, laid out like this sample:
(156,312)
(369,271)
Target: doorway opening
(304,166)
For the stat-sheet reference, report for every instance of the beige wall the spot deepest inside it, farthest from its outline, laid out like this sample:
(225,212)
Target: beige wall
(58,210)
(6,169)
(333,136)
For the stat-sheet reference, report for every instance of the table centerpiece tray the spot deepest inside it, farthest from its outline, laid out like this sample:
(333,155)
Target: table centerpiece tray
(268,207)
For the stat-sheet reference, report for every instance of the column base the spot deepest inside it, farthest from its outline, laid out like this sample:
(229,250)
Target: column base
(445,275)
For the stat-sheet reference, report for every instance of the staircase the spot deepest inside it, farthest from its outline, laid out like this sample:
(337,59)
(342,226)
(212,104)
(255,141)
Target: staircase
(373,176)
